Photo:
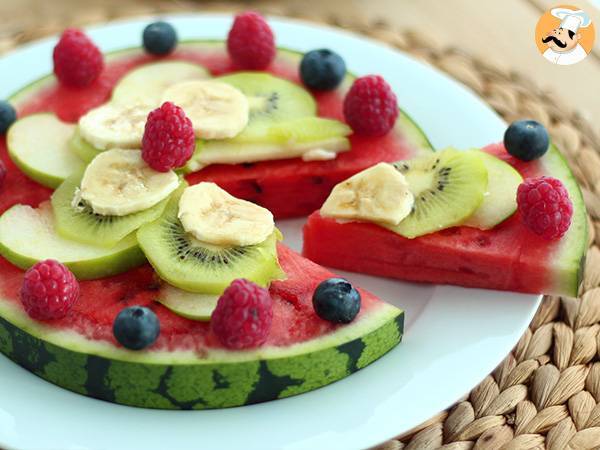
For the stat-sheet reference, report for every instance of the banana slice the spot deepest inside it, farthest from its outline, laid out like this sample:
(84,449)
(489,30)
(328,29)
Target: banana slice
(115,126)
(379,194)
(118,182)
(217,110)
(213,216)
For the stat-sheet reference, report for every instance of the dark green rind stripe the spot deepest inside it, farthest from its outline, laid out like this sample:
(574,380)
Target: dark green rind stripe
(195,386)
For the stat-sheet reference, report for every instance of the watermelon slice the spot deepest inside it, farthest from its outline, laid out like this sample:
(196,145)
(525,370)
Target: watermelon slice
(288,188)
(507,257)
(187,368)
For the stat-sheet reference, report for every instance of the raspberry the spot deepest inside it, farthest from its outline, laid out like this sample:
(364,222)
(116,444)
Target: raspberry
(545,206)
(77,61)
(169,139)
(243,316)
(49,290)
(370,106)
(250,42)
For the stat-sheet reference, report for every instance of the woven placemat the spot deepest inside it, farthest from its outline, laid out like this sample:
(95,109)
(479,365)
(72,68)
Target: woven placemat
(546,393)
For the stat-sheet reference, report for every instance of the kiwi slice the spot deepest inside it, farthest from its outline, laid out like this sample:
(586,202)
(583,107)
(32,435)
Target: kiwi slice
(271,100)
(448,187)
(194,266)
(81,224)
(500,199)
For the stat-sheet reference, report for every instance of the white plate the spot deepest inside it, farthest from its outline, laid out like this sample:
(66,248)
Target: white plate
(454,336)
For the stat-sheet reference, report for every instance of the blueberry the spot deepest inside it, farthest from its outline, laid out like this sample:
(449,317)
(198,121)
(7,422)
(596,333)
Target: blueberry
(322,69)
(7,116)
(526,140)
(336,300)
(159,38)
(136,327)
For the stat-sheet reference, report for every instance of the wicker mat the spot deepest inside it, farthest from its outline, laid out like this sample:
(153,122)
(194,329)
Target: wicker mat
(546,393)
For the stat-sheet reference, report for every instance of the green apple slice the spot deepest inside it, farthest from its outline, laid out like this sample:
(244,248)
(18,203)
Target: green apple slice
(27,235)
(147,83)
(39,146)
(280,140)
(190,305)
(500,199)
(82,148)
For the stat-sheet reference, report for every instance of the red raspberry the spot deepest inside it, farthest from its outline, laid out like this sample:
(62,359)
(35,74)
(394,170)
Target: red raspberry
(49,290)
(169,139)
(250,42)
(370,106)
(77,61)
(545,206)
(243,316)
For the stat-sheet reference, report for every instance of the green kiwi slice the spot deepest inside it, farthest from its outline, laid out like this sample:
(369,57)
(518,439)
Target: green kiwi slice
(271,100)
(448,187)
(194,266)
(81,224)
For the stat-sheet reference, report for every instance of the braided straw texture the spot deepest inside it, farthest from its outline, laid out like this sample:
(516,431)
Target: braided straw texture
(546,393)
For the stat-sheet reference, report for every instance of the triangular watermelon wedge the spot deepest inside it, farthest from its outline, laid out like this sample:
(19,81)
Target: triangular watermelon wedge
(508,257)
(187,368)
(288,188)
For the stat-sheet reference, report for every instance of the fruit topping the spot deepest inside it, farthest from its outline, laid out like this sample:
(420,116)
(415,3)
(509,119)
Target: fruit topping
(448,187)
(217,110)
(77,60)
(159,38)
(545,206)
(195,266)
(78,221)
(112,125)
(500,198)
(49,290)
(322,69)
(243,316)
(168,141)
(191,305)
(147,84)
(136,327)
(7,116)
(214,216)
(39,145)
(28,235)
(336,300)
(370,106)
(526,140)
(118,183)
(250,42)
(379,194)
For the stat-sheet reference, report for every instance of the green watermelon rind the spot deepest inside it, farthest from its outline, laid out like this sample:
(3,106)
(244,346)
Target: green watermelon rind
(568,261)
(182,380)
(405,124)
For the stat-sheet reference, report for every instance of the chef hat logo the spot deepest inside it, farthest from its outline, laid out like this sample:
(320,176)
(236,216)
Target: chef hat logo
(565,35)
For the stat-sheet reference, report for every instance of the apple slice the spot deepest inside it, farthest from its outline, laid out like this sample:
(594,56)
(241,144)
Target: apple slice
(27,236)
(191,305)
(39,146)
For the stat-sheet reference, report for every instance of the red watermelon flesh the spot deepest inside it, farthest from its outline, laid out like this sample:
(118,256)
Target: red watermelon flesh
(288,188)
(101,300)
(507,257)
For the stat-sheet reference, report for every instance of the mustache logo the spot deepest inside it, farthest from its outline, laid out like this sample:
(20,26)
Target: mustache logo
(555,40)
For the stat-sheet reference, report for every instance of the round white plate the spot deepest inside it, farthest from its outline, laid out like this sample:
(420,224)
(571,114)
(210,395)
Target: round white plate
(454,337)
